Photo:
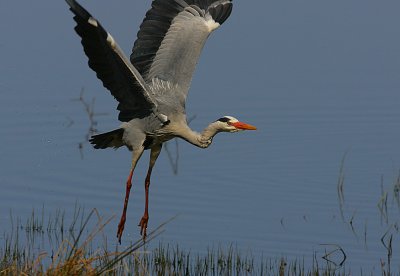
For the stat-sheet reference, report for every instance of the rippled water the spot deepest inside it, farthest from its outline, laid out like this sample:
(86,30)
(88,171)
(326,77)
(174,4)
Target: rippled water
(320,81)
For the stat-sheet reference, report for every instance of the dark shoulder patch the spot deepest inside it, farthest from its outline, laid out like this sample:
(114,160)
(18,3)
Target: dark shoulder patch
(148,142)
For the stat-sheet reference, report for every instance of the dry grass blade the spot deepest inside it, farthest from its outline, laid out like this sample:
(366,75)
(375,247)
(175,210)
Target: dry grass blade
(108,266)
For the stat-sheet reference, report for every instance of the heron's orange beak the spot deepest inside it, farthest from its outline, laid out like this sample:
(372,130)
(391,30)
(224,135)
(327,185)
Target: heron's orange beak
(244,126)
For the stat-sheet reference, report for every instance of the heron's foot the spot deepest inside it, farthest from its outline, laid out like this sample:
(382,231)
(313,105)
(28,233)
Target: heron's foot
(143,226)
(121,226)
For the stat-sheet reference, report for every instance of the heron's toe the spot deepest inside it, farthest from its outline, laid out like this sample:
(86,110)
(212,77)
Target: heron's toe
(143,226)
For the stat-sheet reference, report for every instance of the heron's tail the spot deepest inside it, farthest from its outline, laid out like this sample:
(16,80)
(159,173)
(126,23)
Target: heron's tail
(107,140)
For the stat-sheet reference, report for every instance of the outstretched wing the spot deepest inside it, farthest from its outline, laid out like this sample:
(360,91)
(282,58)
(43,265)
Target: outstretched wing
(172,36)
(112,67)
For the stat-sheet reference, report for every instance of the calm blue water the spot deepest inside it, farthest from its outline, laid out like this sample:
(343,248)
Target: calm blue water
(319,80)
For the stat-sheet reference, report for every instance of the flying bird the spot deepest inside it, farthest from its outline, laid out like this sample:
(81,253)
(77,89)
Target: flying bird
(151,87)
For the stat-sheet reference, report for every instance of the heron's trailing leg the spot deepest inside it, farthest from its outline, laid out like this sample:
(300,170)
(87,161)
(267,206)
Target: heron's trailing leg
(155,152)
(135,157)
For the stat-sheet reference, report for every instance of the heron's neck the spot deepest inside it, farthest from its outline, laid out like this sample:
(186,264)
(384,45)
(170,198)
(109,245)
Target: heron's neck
(203,139)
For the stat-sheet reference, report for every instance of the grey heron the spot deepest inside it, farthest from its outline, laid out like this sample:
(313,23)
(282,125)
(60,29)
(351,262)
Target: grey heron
(151,87)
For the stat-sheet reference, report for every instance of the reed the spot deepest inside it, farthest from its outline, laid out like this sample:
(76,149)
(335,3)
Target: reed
(80,248)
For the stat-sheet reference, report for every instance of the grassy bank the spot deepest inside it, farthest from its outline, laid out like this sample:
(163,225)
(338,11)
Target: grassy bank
(80,248)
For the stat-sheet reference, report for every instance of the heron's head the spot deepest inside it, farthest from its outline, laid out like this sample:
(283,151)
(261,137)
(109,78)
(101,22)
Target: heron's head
(231,124)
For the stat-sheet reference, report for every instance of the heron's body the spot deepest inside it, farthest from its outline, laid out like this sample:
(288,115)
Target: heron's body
(151,87)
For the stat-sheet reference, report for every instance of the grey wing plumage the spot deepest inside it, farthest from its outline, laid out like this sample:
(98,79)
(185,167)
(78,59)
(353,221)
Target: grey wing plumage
(171,38)
(112,67)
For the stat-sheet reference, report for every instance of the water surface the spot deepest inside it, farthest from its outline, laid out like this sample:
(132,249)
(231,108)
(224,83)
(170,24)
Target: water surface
(319,80)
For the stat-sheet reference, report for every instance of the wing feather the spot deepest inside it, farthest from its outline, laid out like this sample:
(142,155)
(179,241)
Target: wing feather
(172,36)
(115,71)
